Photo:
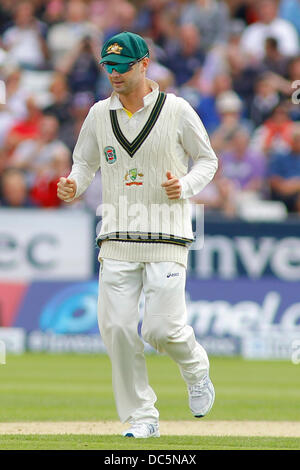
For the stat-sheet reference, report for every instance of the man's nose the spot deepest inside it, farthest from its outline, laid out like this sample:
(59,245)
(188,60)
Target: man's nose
(115,73)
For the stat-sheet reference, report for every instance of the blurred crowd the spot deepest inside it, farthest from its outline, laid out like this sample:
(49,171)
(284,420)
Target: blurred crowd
(237,62)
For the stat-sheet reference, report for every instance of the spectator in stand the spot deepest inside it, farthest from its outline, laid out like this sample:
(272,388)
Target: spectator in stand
(28,128)
(241,170)
(243,73)
(54,12)
(294,69)
(158,72)
(200,49)
(284,174)
(165,26)
(265,100)
(244,167)
(16,96)
(157,19)
(124,20)
(218,196)
(26,39)
(103,13)
(273,60)
(269,25)
(35,154)
(62,37)
(187,58)
(13,189)
(212,19)
(61,107)
(242,10)
(44,189)
(229,107)
(112,15)
(274,135)
(81,66)
(6,15)
(207,107)
(81,105)
(284,82)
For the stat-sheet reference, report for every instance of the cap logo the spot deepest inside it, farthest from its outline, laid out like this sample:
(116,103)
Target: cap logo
(114,49)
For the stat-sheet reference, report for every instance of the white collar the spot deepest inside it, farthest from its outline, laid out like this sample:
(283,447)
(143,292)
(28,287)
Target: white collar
(149,99)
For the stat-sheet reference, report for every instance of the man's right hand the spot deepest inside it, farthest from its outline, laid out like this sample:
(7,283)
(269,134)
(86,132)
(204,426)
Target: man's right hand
(66,189)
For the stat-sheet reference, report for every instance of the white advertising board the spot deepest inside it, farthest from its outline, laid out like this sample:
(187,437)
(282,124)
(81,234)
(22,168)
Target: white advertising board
(45,244)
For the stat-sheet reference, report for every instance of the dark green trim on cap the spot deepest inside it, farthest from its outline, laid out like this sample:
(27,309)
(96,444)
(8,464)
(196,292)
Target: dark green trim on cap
(132,147)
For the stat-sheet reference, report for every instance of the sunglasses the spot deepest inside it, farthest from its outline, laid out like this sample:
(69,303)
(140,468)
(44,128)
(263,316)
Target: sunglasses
(120,68)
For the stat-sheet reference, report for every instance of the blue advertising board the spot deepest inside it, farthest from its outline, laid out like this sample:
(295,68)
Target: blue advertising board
(221,312)
(241,286)
(234,249)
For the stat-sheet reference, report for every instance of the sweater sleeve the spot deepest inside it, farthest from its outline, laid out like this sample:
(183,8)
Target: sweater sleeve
(86,156)
(196,144)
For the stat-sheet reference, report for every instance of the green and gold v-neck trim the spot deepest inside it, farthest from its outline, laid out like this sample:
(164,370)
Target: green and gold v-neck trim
(132,147)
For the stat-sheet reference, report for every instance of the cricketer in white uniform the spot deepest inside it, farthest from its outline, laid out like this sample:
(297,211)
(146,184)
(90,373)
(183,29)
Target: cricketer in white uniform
(142,140)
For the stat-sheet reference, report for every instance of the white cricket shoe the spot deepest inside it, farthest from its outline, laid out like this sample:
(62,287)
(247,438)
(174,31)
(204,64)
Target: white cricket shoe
(201,397)
(141,430)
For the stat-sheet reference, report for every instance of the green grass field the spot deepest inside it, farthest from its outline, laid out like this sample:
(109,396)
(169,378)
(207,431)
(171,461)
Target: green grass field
(188,443)
(43,387)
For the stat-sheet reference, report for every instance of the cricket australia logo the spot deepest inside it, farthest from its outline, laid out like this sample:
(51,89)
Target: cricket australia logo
(110,155)
(114,49)
(133,177)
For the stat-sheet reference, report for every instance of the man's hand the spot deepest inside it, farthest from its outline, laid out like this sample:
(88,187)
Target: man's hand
(66,189)
(172,186)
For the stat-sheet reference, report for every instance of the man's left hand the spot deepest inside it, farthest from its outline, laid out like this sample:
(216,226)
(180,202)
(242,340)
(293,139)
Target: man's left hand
(172,186)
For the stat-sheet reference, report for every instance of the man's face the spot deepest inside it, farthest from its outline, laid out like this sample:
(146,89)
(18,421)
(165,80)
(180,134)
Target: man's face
(49,128)
(24,14)
(126,83)
(267,11)
(14,189)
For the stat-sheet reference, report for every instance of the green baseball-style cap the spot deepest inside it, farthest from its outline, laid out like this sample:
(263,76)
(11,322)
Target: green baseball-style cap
(124,48)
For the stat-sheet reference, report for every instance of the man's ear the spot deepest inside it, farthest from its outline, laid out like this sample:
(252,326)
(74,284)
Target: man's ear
(145,62)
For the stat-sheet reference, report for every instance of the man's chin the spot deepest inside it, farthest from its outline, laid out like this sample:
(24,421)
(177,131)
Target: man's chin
(118,87)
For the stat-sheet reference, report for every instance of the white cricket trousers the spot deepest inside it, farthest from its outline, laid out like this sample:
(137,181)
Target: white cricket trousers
(164,328)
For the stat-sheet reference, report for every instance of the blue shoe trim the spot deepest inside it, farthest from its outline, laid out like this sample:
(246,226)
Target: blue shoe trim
(129,434)
(152,428)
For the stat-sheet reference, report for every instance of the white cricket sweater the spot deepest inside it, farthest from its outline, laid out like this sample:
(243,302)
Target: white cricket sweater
(139,222)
